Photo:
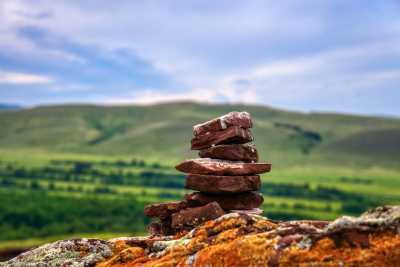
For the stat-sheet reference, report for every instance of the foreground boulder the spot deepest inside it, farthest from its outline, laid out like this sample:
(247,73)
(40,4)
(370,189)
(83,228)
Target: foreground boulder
(236,239)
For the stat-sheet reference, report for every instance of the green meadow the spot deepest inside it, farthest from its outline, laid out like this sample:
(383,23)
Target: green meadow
(68,171)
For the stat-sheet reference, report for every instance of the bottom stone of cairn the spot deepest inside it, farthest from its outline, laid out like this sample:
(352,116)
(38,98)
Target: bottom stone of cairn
(164,210)
(240,201)
(162,227)
(193,216)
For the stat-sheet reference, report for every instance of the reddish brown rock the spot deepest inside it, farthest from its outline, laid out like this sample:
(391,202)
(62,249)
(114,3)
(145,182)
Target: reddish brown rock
(154,228)
(222,184)
(162,227)
(241,119)
(195,216)
(241,201)
(221,167)
(164,210)
(231,135)
(239,152)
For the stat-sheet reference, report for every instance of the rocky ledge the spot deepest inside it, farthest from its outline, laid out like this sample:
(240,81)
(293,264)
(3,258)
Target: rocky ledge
(238,239)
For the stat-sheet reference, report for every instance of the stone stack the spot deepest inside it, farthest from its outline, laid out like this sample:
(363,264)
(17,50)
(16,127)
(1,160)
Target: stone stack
(225,177)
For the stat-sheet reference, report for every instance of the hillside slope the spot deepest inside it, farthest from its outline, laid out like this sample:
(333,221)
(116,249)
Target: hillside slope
(163,132)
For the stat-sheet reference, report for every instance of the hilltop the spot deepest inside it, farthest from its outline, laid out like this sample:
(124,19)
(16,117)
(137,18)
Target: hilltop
(160,132)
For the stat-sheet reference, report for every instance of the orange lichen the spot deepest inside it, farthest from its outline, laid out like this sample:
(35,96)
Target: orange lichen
(383,250)
(254,250)
(260,250)
(240,240)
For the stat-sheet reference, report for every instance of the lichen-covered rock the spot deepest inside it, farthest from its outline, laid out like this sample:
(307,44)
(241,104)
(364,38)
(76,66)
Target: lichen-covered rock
(234,239)
(76,252)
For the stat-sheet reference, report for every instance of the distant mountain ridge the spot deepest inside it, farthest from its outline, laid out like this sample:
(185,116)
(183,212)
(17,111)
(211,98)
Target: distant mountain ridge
(5,106)
(163,132)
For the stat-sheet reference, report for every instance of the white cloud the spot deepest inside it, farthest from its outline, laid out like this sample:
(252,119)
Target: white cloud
(177,39)
(203,95)
(325,74)
(17,13)
(151,96)
(23,78)
(290,67)
(284,82)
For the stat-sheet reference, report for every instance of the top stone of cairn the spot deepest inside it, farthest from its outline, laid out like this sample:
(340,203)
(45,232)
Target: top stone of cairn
(234,118)
(230,135)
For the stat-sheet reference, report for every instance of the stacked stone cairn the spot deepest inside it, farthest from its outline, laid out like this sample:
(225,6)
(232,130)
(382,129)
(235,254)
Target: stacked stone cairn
(225,177)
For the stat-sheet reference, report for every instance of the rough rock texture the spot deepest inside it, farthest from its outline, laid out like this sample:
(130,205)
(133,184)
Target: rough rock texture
(221,167)
(234,118)
(240,152)
(241,240)
(222,184)
(164,210)
(233,134)
(241,201)
(76,252)
(161,227)
(194,216)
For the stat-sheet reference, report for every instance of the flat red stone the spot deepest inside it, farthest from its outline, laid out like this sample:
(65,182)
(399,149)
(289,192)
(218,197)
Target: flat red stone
(196,216)
(240,201)
(234,118)
(164,210)
(222,184)
(238,152)
(231,135)
(221,167)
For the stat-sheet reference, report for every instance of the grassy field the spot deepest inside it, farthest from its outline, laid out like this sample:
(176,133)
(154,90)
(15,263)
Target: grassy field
(127,184)
(65,171)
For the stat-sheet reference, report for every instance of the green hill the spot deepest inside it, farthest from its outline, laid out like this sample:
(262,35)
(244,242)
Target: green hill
(111,161)
(163,132)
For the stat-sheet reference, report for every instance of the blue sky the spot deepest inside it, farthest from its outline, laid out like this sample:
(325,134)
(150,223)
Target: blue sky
(341,56)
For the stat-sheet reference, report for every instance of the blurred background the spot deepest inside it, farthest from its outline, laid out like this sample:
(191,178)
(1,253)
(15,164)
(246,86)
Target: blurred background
(98,99)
